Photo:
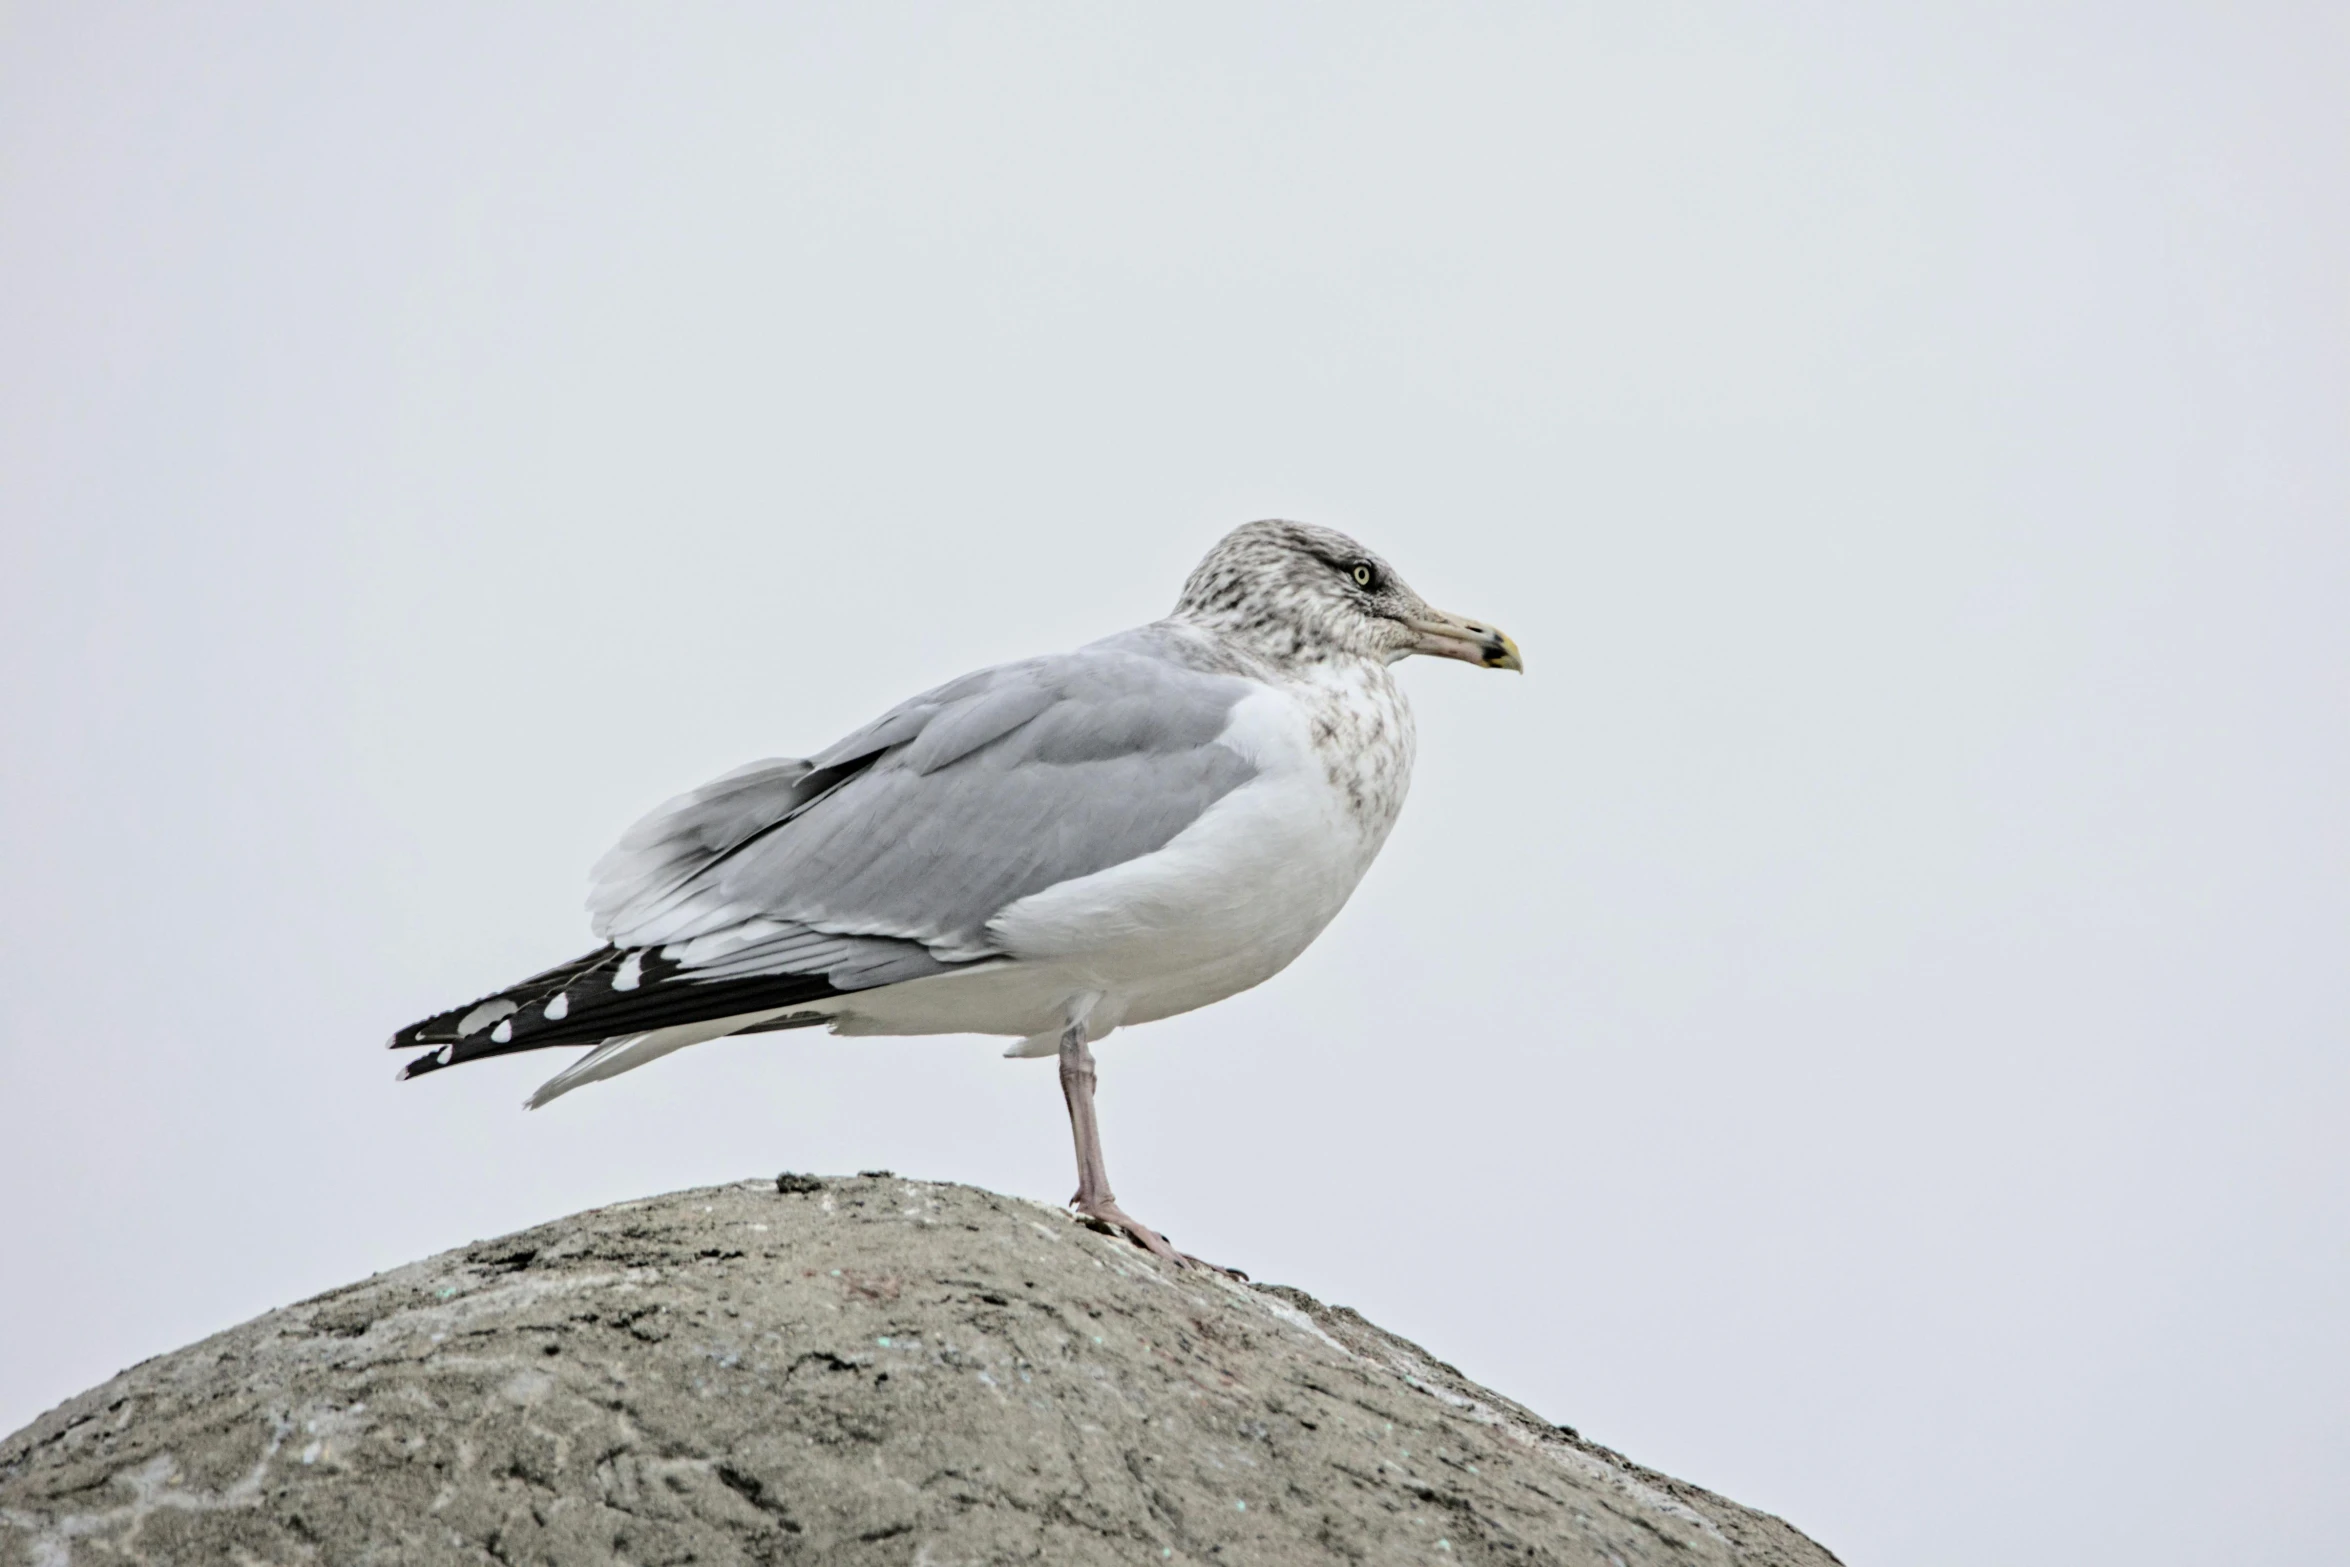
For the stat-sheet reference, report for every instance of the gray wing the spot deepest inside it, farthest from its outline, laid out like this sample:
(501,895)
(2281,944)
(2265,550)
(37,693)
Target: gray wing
(789,882)
(920,827)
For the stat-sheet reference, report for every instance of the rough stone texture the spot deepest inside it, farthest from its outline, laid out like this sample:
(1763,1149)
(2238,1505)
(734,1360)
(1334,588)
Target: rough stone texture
(868,1370)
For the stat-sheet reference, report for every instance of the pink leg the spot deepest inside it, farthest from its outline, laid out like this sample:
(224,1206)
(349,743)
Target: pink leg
(1093,1197)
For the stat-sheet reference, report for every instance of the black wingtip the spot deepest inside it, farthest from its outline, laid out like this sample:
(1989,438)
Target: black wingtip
(430,1061)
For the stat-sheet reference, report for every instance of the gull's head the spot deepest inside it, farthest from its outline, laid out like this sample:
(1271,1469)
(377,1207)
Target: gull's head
(1302,594)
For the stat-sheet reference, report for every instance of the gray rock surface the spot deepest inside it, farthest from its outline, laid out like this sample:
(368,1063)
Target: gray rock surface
(866,1370)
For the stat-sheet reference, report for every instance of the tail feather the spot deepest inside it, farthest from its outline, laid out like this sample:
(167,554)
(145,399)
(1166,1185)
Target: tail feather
(630,1051)
(607,994)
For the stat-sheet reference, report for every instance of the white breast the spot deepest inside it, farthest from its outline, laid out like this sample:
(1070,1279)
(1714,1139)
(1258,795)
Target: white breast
(1232,899)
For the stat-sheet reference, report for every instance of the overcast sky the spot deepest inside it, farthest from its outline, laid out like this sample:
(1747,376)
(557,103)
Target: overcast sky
(1860,1024)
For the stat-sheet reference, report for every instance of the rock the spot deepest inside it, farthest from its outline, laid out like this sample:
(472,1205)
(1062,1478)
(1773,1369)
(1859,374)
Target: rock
(867,1370)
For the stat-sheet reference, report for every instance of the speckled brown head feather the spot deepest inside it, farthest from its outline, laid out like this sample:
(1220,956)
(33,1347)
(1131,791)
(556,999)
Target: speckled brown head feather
(1299,595)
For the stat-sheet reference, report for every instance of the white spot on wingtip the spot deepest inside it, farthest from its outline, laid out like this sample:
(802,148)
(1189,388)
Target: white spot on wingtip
(632,969)
(559,1008)
(483,1016)
(503,1034)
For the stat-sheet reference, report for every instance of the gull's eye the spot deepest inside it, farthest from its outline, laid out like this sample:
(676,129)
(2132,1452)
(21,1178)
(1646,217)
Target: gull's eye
(1363,574)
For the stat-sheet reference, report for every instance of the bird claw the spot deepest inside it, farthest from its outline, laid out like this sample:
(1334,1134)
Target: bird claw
(1110,1219)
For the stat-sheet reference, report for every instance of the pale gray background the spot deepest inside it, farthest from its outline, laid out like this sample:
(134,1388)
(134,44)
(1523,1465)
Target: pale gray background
(1859,1024)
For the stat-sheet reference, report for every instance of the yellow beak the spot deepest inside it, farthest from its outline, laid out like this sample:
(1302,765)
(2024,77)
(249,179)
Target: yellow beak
(1449,636)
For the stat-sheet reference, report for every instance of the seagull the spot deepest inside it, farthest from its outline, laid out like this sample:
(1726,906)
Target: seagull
(1049,849)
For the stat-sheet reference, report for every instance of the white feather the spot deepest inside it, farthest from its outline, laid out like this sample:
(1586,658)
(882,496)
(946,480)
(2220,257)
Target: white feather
(630,1051)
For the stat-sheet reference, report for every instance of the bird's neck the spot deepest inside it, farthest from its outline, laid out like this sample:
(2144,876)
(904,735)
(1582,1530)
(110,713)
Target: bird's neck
(1365,737)
(1266,649)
